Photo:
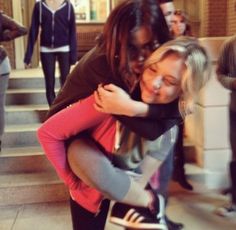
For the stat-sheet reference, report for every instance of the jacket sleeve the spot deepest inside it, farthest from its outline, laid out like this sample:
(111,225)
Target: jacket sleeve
(148,128)
(11,29)
(73,40)
(65,124)
(160,118)
(33,34)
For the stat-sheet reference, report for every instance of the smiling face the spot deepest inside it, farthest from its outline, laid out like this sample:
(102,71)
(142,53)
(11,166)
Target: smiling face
(161,82)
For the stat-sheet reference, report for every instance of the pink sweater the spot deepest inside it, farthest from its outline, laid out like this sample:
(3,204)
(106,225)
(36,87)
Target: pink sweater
(80,116)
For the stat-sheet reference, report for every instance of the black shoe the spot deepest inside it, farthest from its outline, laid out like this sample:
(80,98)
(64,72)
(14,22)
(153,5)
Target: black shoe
(136,217)
(173,225)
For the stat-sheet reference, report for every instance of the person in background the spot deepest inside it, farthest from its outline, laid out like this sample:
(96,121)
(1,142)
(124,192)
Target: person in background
(55,19)
(9,30)
(226,74)
(180,27)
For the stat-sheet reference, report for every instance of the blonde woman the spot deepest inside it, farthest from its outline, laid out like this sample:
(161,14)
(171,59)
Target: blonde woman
(179,68)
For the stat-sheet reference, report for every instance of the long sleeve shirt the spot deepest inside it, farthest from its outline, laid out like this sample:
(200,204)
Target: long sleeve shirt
(77,118)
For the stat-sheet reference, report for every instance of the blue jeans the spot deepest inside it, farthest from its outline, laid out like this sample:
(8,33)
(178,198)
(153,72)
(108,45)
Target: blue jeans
(165,173)
(3,88)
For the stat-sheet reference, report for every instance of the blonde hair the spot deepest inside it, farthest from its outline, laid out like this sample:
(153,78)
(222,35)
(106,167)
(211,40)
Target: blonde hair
(197,71)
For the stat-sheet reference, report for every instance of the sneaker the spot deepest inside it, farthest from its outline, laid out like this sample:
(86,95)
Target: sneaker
(226,211)
(134,217)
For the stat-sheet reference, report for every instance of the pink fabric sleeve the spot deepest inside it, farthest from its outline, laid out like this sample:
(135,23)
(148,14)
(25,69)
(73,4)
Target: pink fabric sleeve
(68,122)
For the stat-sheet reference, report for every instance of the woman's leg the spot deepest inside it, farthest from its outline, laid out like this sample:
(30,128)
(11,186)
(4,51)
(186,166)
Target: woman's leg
(85,220)
(48,61)
(64,65)
(3,88)
(232,120)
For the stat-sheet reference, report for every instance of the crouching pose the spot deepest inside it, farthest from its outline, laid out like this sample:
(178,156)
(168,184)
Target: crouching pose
(178,69)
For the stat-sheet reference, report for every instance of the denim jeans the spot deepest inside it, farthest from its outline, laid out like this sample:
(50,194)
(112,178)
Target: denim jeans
(3,88)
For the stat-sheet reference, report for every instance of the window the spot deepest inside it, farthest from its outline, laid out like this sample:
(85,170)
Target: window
(91,10)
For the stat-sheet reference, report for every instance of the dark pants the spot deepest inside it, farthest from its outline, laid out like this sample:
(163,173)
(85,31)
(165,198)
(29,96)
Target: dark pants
(48,61)
(85,220)
(232,166)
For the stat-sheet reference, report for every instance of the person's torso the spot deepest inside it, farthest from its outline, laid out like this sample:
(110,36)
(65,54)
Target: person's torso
(55,25)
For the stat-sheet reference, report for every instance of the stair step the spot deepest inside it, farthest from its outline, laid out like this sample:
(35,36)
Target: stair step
(29,83)
(26,96)
(24,160)
(29,188)
(25,114)
(20,135)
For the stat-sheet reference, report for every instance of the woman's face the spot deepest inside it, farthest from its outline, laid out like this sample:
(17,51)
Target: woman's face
(140,48)
(161,82)
(178,25)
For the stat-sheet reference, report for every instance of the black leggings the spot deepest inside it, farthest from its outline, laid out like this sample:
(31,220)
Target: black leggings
(85,220)
(48,61)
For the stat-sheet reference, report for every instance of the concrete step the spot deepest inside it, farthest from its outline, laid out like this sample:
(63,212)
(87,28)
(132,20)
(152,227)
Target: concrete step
(29,188)
(20,135)
(30,82)
(25,96)
(25,114)
(24,160)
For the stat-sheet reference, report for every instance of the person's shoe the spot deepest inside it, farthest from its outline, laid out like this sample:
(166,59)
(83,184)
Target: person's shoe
(135,217)
(226,211)
(173,225)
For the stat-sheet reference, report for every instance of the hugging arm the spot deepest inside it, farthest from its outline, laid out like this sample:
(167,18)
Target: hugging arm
(148,121)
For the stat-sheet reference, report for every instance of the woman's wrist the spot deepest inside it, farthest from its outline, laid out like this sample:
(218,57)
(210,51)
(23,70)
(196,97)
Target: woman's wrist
(137,109)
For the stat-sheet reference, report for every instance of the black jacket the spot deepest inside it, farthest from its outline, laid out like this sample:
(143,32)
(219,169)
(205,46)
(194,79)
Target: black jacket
(57,29)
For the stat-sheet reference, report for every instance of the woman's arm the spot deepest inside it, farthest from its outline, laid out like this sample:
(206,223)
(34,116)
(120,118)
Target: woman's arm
(159,118)
(72,36)
(114,100)
(33,34)
(11,29)
(70,121)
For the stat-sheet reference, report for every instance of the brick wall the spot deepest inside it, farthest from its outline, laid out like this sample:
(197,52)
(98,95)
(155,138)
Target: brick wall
(231,19)
(217,18)
(6,7)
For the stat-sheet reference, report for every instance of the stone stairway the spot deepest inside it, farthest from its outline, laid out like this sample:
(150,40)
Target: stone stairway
(26,176)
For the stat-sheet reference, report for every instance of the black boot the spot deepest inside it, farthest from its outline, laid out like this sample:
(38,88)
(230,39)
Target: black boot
(179,161)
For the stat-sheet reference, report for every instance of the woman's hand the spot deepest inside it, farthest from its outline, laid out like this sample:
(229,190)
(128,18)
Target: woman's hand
(112,99)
